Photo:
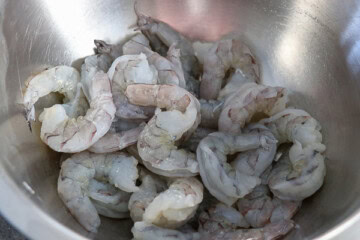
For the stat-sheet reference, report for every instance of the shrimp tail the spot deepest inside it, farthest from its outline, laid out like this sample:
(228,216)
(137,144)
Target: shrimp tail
(102,47)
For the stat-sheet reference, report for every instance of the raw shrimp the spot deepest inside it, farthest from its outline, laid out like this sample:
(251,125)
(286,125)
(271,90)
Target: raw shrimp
(255,162)
(176,205)
(130,69)
(92,65)
(301,172)
(167,35)
(108,200)
(224,182)
(136,45)
(259,208)
(151,186)
(238,78)
(65,134)
(116,141)
(112,50)
(271,231)
(169,69)
(250,99)
(148,231)
(220,217)
(78,171)
(210,112)
(62,79)
(193,142)
(221,57)
(178,115)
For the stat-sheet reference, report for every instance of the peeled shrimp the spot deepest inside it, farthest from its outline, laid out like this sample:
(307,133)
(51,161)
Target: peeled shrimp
(60,129)
(151,186)
(259,208)
(167,35)
(221,57)
(108,200)
(250,99)
(224,182)
(130,69)
(78,171)
(92,65)
(220,217)
(176,205)
(60,79)
(238,78)
(255,162)
(169,69)
(301,172)
(271,231)
(116,141)
(178,114)
(210,113)
(148,231)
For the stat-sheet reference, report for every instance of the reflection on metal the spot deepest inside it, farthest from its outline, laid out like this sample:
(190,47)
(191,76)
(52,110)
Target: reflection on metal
(312,47)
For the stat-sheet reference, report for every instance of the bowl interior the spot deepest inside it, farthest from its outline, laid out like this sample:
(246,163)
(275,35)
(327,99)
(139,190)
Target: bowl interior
(310,47)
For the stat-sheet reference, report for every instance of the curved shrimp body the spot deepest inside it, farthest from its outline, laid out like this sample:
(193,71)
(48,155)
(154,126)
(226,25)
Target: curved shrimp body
(151,186)
(271,231)
(224,182)
(126,70)
(137,44)
(301,172)
(65,134)
(255,162)
(108,200)
(62,79)
(250,99)
(116,141)
(258,208)
(177,116)
(78,171)
(238,78)
(167,35)
(92,65)
(221,57)
(176,205)
(148,231)
(210,112)
(169,68)
(221,217)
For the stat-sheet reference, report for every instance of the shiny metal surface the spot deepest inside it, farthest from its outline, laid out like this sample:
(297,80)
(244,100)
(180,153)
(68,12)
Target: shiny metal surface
(310,46)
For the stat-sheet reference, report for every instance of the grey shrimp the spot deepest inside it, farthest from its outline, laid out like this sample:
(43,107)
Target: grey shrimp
(60,130)
(108,200)
(169,68)
(178,115)
(221,57)
(76,175)
(259,208)
(271,231)
(255,162)
(148,231)
(224,182)
(169,36)
(210,112)
(251,98)
(301,172)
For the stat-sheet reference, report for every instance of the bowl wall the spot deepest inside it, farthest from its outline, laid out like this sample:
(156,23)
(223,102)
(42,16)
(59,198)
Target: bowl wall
(310,47)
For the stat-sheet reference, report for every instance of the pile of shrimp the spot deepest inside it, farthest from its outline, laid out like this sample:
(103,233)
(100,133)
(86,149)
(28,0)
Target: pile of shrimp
(188,146)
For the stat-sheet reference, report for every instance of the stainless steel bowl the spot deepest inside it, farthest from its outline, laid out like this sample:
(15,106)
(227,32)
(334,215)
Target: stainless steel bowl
(310,46)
